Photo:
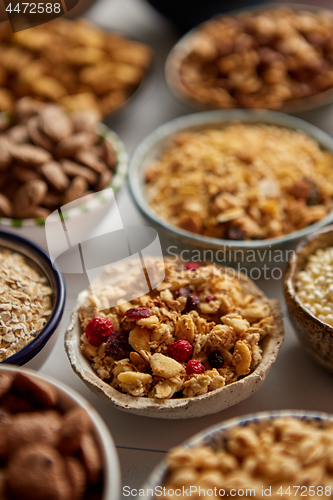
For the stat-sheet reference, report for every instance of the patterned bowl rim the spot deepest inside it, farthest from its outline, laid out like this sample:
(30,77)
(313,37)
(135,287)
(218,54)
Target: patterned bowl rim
(215,434)
(116,183)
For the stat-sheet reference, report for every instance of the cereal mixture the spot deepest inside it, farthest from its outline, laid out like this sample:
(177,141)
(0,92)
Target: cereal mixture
(198,331)
(241,182)
(314,285)
(49,158)
(25,302)
(283,452)
(72,63)
(46,453)
(262,59)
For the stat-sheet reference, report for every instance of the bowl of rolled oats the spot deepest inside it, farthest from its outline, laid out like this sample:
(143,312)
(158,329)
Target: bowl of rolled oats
(238,180)
(32,302)
(53,442)
(308,290)
(268,57)
(262,454)
(203,340)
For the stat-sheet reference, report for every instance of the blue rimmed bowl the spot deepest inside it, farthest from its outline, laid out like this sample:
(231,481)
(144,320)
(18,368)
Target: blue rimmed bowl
(271,252)
(215,437)
(36,352)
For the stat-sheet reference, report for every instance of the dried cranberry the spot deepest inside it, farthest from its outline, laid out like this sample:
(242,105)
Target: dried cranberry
(192,266)
(234,233)
(138,313)
(193,304)
(215,359)
(209,298)
(180,350)
(98,330)
(184,291)
(117,345)
(194,366)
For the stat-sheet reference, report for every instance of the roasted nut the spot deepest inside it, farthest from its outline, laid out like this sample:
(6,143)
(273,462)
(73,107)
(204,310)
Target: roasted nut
(69,146)
(29,195)
(37,136)
(55,123)
(91,458)
(5,153)
(5,384)
(78,188)
(76,423)
(6,209)
(73,169)
(36,390)
(91,161)
(29,155)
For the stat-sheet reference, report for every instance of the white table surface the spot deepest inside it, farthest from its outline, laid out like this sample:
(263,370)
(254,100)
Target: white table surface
(294,381)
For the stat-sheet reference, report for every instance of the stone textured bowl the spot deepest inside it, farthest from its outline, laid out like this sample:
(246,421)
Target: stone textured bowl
(214,437)
(315,335)
(206,404)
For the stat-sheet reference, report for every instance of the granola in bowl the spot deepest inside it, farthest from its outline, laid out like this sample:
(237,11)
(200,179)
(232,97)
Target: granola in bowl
(265,454)
(26,302)
(240,180)
(201,330)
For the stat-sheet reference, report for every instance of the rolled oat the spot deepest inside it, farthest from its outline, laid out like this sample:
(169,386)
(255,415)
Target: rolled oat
(26,302)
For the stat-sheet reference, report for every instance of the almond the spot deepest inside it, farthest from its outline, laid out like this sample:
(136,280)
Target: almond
(30,194)
(55,123)
(55,176)
(25,174)
(69,146)
(37,136)
(109,154)
(6,210)
(91,161)
(6,147)
(104,180)
(77,189)
(73,169)
(29,155)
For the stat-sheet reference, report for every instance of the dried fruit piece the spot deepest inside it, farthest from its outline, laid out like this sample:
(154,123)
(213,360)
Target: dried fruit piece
(194,366)
(234,233)
(209,298)
(192,266)
(117,345)
(193,304)
(215,359)
(138,313)
(180,350)
(184,291)
(98,330)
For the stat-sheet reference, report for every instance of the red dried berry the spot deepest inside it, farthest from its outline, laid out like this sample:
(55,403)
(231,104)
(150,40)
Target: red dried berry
(194,366)
(180,350)
(98,330)
(192,266)
(184,291)
(138,313)
(193,304)
(117,345)
(209,298)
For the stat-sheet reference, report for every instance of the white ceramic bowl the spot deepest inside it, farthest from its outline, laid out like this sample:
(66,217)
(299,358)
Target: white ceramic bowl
(68,398)
(206,404)
(214,437)
(236,252)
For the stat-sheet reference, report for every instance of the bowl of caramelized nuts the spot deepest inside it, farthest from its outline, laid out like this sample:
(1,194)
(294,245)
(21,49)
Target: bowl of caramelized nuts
(51,158)
(269,57)
(262,454)
(203,340)
(235,186)
(53,442)
(308,290)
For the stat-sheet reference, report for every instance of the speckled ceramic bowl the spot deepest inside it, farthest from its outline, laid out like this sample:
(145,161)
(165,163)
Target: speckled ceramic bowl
(273,252)
(206,404)
(315,335)
(36,352)
(214,437)
(68,398)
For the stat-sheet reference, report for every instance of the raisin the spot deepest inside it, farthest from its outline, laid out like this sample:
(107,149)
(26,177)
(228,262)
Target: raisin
(215,359)
(234,233)
(193,304)
(117,345)
(184,291)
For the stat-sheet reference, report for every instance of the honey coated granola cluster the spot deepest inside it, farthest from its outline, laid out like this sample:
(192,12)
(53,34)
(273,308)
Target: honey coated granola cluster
(25,302)
(198,331)
(277,454)
(242,181)
(261,59)
(72,63)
